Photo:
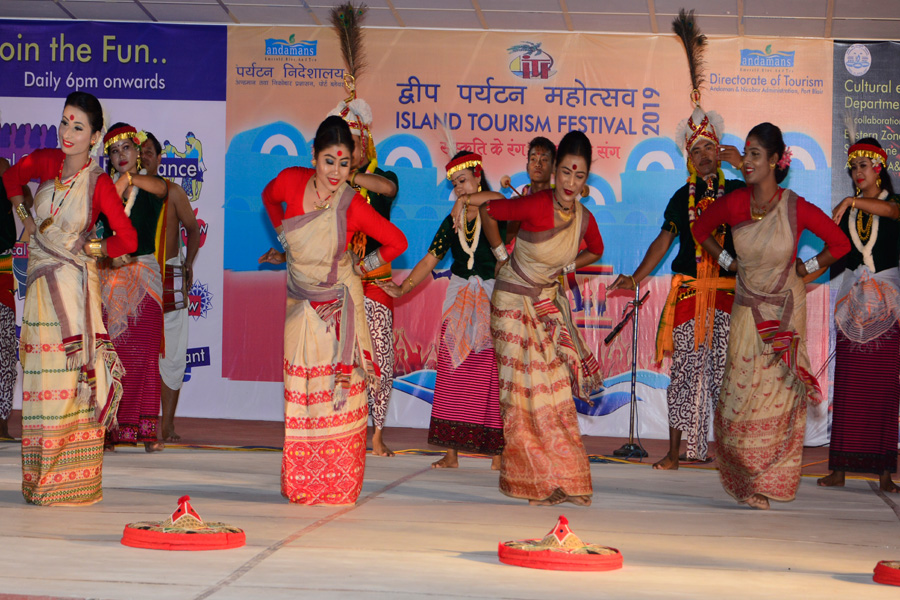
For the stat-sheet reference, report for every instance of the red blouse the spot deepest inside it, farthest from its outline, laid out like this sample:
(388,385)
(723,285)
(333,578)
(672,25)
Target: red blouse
(734,208)
(288,187)
(44,165)
(535,212)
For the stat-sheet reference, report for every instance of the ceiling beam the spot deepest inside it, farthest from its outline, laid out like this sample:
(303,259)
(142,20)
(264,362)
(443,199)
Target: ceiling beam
(740,17)
(64,9)
(141,6)
(651,11)
(227,12)
(395,13)
(566,16)
(829,18)
(311,13)
(480,14)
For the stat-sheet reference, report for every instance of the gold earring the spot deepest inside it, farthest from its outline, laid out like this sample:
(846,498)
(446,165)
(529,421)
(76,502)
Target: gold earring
(313,162)
(772,166)
(878,181)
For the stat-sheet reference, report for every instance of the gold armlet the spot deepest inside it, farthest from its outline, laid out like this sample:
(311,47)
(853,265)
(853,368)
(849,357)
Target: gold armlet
(22,212)
(95,248)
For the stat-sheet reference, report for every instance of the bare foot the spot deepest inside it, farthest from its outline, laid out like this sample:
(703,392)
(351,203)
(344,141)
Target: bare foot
(495,463)
(156,446)
(557,497)
(666,463)
(579,500)
(378,446)
(169,435)
(887,485)
(757,501)
(450,461)
(834,479)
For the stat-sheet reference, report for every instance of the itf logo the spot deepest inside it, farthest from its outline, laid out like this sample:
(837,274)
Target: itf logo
(288,47)
(530,62)
(196,357)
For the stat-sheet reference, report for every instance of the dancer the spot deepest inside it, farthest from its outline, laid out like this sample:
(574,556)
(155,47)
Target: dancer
(173,359)
(8,342)
(72,375)
(693,326)
(541,356)
(327,349)
(465,414)
(132,292)
(767,380)
(379,188)
(867,360)
(541,157)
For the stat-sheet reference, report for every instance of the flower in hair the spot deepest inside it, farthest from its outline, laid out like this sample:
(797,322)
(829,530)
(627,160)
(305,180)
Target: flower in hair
(785,161)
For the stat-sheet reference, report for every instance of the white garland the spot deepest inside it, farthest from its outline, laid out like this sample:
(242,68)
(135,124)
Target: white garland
(865,249)
(461,233)
(133,195)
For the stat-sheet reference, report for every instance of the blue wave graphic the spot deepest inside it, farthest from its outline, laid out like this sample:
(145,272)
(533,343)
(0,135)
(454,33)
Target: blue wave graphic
(420,384)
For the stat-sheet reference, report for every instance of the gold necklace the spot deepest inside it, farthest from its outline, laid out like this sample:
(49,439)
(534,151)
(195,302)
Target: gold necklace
(758,215)
(564,213)
(319,205)
(864,230)
(470,235)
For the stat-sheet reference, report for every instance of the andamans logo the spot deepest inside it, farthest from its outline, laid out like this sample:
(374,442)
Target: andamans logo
(288,47)
(767,58)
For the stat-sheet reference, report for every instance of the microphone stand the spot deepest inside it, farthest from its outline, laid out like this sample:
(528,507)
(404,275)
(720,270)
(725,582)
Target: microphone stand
(631,449)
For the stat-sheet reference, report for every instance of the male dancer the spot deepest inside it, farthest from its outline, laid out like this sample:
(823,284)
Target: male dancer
(541,156)
(380,189)
(173,364)
(694,322)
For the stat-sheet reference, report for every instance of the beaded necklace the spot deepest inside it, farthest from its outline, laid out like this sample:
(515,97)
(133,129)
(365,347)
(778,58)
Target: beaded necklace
(693,212)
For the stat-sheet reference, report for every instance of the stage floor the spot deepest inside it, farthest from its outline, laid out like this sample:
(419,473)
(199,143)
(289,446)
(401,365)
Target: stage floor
(423,533)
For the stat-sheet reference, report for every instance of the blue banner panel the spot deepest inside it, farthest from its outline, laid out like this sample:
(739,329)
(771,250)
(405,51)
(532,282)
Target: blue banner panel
(50,59)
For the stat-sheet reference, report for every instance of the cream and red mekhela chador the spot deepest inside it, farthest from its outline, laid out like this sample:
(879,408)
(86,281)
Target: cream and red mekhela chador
(72,375)
(760,420)
(541,356)
(132,305)
(867,350)
(328,356)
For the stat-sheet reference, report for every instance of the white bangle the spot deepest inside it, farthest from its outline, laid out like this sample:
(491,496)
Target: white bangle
(500,253)
(812,265)
(570,268)
(371,261)
(725,259)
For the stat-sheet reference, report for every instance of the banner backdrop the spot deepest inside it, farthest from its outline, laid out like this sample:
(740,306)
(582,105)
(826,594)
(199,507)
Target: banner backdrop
(866,104)
(166,79)
(496,91)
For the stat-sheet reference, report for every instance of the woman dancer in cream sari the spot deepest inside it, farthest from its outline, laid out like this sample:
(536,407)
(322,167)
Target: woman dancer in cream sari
(542,359)
(760,420)
(72,374)
(328,355)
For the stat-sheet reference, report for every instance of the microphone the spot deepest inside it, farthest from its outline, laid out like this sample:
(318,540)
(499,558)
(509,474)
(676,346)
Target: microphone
(612,334)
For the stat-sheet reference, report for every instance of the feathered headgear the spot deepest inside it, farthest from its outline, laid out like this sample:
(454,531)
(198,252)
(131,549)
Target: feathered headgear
(701,124)
(346,20)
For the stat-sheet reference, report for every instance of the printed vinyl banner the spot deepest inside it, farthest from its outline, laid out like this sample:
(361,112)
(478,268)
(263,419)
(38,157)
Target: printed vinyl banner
(495,92)
(165,79)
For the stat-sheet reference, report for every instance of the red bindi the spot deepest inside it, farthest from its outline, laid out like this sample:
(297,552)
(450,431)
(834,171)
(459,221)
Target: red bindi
(340,153)
(71,117)
(574,167)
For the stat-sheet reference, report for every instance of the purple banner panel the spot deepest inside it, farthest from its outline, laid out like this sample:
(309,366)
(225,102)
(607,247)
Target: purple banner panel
(49,59)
